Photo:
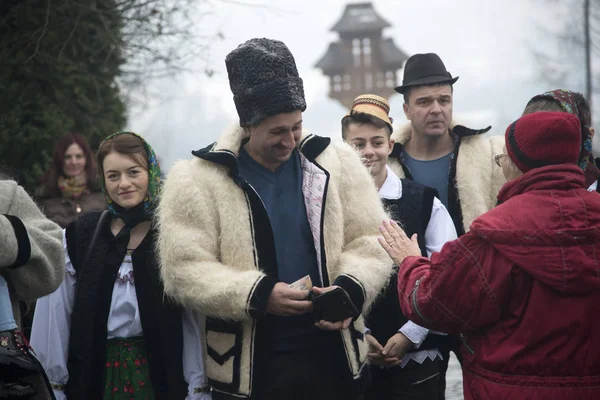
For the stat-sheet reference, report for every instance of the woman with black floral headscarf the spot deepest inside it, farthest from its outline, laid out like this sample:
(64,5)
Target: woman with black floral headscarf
(109,332)
(573,103)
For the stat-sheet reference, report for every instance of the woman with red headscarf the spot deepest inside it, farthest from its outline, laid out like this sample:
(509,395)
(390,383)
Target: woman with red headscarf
(70,187)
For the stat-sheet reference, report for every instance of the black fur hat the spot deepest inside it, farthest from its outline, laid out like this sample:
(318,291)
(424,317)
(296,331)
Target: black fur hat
(264,80)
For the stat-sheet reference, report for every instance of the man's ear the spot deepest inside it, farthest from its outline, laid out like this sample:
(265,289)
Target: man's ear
(405,107)
(592,132)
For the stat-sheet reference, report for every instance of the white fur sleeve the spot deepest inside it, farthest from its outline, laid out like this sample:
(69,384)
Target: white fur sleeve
(189,251)
(32,243)
(364,265)
(498,179)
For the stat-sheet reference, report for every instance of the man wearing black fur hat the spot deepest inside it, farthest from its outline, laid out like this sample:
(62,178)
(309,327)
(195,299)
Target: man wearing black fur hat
(253,222)
(434,150)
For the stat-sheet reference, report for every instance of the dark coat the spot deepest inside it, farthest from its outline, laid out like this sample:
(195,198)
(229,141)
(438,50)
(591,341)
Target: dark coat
(63,210)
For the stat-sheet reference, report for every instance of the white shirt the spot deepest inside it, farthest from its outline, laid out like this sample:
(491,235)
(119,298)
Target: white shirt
(439,231)
(52,324)
(440,228)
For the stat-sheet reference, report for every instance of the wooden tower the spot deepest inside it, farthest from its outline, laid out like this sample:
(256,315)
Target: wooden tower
(362,60)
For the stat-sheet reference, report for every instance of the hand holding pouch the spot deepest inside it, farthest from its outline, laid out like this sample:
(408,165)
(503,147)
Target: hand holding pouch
(334,306)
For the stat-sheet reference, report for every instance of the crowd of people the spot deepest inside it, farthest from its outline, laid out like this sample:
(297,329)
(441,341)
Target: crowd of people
(279,264)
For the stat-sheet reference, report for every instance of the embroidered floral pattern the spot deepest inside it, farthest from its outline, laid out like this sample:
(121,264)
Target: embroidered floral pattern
(126,271)
(568,103)
(127,373)
(313,187)
(127,277)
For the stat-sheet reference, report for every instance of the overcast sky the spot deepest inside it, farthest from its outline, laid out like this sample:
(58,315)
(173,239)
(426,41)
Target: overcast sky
(488,44)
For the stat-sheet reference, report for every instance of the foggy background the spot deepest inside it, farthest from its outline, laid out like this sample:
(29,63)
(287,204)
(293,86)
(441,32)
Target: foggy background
(493,46)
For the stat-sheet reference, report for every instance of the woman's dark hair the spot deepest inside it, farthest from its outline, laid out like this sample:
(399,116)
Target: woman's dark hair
(363,118)
(49,182)
(128,145)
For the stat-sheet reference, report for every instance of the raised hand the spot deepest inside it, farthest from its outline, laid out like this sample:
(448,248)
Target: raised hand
(396,243)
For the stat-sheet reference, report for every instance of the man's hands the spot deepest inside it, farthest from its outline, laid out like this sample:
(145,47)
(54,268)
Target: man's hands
(326,325)
(390,355)
(285,301)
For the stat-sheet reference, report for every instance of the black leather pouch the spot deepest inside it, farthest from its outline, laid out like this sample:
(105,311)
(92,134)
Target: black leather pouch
(333,306)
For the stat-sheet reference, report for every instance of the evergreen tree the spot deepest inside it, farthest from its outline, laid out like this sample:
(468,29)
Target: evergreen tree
(71,66)
(58,74)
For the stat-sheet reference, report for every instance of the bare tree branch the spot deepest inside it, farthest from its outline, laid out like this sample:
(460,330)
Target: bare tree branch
(45,28)
(75,26)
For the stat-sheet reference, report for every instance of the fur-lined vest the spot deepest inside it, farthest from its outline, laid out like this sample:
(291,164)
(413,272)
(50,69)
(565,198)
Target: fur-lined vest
(474,177)
(218,256)
(31,256)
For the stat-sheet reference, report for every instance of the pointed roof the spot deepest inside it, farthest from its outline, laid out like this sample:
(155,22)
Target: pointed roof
(336,59)
(393,56)
(359,17)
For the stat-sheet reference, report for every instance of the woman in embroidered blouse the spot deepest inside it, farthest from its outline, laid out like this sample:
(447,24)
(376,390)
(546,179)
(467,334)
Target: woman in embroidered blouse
(70,187)
(109,332)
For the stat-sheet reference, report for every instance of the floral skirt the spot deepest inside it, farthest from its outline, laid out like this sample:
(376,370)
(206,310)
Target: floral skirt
(127,373)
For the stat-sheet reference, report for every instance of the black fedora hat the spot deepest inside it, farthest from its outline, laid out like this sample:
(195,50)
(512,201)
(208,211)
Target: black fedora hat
(424,69)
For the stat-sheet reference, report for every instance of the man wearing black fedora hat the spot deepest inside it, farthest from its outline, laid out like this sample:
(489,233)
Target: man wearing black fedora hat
(259,220)
(432,149)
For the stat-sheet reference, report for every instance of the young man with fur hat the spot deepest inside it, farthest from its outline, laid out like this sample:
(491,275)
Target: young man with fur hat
(265,206)
(433,150)
(405,357)
(522,285)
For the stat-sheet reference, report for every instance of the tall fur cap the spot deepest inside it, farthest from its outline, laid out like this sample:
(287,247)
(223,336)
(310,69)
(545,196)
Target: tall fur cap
(264,80)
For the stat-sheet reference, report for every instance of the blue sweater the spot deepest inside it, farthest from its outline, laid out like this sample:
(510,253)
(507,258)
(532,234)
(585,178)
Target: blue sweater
(281,193)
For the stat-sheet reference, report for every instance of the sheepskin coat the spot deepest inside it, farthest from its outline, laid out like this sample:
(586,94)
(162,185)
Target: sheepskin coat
(31,255)
(474,177)
(218,256)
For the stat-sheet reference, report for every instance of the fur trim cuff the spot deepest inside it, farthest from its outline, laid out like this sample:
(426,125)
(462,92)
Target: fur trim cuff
(23,243)
(259,296)
(354,289)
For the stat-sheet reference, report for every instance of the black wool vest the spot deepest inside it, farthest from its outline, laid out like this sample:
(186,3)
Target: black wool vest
(161,319)
(413,212)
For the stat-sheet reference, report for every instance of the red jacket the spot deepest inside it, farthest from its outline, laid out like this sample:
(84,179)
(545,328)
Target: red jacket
(523,287)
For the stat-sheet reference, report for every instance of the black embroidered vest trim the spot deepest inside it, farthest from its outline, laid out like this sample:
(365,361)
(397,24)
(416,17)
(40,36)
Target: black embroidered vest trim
(413,212)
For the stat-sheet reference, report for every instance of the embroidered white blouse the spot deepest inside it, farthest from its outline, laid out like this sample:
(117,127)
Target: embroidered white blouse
(52,324)
(439,231)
